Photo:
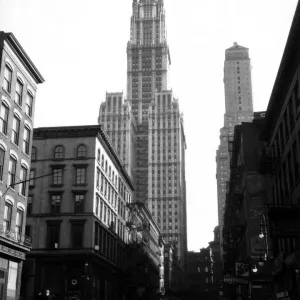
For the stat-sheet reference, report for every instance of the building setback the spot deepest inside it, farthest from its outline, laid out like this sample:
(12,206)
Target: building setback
(238,108)
(18,85)
(156,145)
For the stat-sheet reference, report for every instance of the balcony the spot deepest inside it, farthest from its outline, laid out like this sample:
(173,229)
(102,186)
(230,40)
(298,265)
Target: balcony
(15,237)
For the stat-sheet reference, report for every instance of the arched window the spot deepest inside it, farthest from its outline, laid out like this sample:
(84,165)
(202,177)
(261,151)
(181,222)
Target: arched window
(33,153)
(59,152)
(102,161)
(26,139)
(29,104)
(7,78)
(2,157)
(12,165)
(23,178)
(98,155)
(81,151)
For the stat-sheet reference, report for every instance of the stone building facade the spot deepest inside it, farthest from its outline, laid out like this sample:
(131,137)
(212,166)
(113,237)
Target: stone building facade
(157,137)
(18,87)
(77,213)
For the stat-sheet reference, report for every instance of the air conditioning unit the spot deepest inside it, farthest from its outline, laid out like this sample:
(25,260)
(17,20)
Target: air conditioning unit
(97,247)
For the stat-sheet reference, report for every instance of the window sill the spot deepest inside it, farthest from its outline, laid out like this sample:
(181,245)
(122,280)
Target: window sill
(27,155)
(29,117)
(22,196)
(20,106)
(80,184)
(3,134)
(56,185)
(6,92)
(15,144)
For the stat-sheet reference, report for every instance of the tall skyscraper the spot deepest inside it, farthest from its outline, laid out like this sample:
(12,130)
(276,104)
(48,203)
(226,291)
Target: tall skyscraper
(238,108)
(156,140)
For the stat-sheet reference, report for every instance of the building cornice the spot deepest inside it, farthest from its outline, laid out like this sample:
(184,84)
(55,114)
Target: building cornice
(22,55)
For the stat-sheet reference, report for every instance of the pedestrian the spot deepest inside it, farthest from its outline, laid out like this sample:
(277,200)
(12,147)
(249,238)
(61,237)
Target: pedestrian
(48,295)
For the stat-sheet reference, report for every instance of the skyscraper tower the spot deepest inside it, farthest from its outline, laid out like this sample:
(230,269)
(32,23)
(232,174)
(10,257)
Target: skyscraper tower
(157,129)
(238,108)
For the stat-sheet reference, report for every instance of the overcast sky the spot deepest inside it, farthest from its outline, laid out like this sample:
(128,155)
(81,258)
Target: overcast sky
(80,49)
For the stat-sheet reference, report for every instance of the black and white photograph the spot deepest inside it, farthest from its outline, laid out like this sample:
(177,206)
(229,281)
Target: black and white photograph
(149,150)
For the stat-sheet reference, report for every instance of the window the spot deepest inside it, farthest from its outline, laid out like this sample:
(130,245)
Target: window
(57,176)
(98,179)
(77,235)
(32,178)
(53,232)
(23,178)
(29,204)
(79,203)
(2,156)
(19,91)
(98,156)
(102,161)
(29,103)
(12,164)
(15,130)
(7,217)
(19,222)
(59,152)
(3,118)
(80,175)
(7,78)
(81,151)
(33,153)
(55,203)
(26,140)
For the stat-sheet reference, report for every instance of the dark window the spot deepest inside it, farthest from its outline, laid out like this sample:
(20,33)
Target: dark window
(29,205)
(7,78)
(55,203)
(53,231)
(98,179)
(28,230)
(19,222)
(19,91)
(57,176)
(2,156)
(59,152)
(98,156)
(12,171)
(32,178)
(81,151)
(7,217)
(23,178)
(15,130)
(79,203)
(80,175)
(26,140)
(29,103)
(3,118)
(33,153)
(77,235)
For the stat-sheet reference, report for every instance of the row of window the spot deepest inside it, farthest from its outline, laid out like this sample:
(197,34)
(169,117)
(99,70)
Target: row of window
(58,175)
(7,219)
(12,171)
(59,152)
(55,203)
(16,126)
(7,86)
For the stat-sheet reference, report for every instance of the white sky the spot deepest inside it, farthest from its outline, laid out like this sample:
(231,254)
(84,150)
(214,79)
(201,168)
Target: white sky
(80,49)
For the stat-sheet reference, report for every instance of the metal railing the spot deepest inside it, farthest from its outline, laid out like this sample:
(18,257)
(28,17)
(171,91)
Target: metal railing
(15,236)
